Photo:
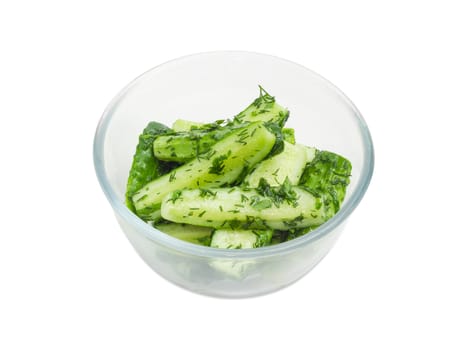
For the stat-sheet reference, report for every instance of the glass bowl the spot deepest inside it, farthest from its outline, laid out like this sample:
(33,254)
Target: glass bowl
(218,85)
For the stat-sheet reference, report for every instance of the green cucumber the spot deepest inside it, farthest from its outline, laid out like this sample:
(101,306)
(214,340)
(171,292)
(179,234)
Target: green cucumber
(145,167)
(275,170)
(185,125)
(221,165)
(290,164)
(189,233)
(310,153)
(186,145)
(238,208)
(327,176)
(193,139)
(240,239)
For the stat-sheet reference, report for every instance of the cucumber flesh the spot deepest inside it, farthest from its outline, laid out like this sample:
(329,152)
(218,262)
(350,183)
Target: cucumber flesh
(240,239)
(185,125)
(310,153)
(239,208)
(189,233)
(288,164)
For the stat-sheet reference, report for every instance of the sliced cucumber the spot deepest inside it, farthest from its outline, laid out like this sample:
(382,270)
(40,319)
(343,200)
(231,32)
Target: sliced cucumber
(236,270)
(183,146)
(328,175)
(275,170)
(310,153)
(190,142)
(288,164)
(221,165)
(238,208)
(189,233)
(240,239)
(145,167)
(185,125)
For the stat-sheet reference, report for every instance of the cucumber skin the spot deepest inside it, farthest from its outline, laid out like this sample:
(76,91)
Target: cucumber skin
(224,208)
(328,176)
(197,174)
(145,167)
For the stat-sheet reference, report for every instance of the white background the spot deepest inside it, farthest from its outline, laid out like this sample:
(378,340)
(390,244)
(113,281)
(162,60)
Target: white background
(69,279)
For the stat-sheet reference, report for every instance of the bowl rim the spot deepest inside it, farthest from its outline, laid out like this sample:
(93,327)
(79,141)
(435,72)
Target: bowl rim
(168,241)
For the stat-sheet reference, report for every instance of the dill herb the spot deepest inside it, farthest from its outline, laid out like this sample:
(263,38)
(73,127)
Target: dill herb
(172,176)
(205,193)
(294,222)
(278,195)
(217,165)
(175,196)
(234,224)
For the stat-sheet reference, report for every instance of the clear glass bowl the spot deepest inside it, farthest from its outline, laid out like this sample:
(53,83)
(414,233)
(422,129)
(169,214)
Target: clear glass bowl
(218,85)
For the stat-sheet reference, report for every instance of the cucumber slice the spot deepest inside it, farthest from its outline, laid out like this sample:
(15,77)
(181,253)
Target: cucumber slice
(328,175)
(190,142)
(189,233)
(238,208)
(288,164)
(240,239)
(310,153)
(184,146)
(223,164)
(236,270)
(185,125)
(145,167)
